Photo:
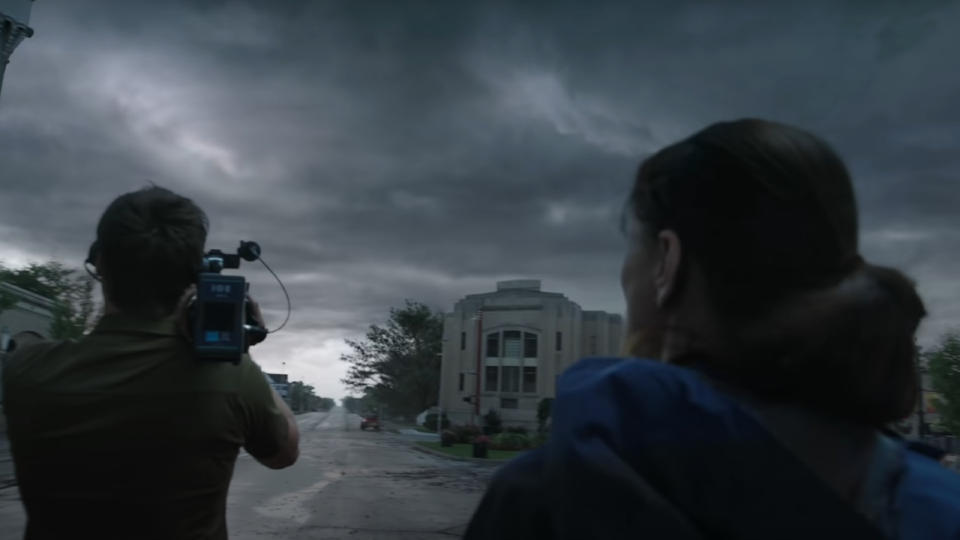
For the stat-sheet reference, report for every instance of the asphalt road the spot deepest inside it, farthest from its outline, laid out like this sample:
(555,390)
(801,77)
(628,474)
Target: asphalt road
(347,483)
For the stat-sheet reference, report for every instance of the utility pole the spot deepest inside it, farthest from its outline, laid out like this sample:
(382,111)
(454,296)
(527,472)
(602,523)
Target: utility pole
(921,428)
(440,399)
(4,342)
(14,19)
(476,401)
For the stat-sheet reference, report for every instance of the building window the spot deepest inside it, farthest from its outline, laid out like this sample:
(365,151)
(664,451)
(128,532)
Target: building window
(493,345)
(559,341)
(461,382)
(463,341)
(529,345)
(506,369)
(511,344)
(593,344)
(511,379)
(492,379)
(509,403)
(529,380)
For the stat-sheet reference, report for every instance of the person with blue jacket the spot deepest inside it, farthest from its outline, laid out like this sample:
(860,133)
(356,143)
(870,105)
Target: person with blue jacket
(765,360)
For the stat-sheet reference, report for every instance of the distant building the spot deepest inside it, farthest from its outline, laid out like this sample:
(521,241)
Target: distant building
(28,319)
(31,312)
(521,338)
(279,383)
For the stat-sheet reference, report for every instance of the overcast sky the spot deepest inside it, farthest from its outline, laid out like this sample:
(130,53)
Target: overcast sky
(388,150)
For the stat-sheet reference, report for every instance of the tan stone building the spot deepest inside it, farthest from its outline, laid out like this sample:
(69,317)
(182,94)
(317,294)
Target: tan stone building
(510,345)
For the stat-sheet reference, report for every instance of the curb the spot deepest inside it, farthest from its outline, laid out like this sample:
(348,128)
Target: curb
(437,453)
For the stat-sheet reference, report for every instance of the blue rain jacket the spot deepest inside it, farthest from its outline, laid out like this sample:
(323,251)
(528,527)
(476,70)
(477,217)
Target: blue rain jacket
(641,449)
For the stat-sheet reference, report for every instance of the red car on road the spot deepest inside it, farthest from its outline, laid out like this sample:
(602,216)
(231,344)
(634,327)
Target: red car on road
(370,421)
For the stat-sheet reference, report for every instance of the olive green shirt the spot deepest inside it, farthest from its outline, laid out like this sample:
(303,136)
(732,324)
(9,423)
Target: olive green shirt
(124,434)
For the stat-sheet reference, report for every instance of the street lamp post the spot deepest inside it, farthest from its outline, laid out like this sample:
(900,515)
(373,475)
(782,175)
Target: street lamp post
(14,17)
(921,425)
(440,399)
(476,399)
(4,342)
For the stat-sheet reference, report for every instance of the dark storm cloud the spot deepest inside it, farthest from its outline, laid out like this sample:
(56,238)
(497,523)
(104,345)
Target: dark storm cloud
(390,150)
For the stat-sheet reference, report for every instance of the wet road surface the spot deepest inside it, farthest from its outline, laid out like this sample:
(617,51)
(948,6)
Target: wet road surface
(347,483)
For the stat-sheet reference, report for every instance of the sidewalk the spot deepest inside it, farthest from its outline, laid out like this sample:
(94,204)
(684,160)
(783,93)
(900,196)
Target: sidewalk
(419,435)
(409,431)
(485,461)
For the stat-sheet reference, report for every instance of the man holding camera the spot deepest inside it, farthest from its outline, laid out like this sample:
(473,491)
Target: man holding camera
(124,433)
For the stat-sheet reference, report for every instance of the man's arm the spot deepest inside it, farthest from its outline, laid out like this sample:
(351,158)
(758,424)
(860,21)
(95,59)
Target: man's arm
(271,435)
(274,438)
(289,447)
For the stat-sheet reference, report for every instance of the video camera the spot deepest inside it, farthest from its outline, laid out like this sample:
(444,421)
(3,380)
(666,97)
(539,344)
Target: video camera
(220,319)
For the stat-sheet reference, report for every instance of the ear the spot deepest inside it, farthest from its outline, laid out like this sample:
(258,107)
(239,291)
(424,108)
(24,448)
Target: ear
(93,260)
(93,253)
(668,269)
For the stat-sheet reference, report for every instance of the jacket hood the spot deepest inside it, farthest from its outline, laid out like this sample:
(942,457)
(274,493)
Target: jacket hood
(649,446)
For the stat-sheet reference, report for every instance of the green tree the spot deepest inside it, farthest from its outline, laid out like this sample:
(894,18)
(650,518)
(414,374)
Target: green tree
(70,289)
(493,424)
(349,403)
(544,410)
(325,403)
(398,364)
(301,397)
(359,405)
(944,367)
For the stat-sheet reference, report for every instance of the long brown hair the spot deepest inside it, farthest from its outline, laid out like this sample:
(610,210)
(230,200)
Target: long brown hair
(767,211)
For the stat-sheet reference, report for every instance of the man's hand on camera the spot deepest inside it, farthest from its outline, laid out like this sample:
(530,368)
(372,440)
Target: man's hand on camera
(182,313)
(255,313)
(258,332)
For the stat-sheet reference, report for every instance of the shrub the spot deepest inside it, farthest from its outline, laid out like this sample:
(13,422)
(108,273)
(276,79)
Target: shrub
(466,434)
(509,441)
(448,438)
(516,429)
(539,439)
(492,423)
(430,422)
(544,410)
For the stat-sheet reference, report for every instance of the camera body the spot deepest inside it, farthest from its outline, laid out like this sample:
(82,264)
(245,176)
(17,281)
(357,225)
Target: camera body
(219,317)
(223,327)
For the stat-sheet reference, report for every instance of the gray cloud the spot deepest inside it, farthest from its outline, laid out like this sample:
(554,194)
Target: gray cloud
(384,150)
